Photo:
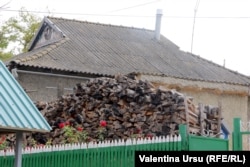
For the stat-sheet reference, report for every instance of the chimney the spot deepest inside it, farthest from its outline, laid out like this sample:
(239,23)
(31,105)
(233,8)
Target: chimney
(158,24)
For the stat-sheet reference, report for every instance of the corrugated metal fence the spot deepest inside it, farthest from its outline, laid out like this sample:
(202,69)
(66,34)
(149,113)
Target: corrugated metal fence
(108,153)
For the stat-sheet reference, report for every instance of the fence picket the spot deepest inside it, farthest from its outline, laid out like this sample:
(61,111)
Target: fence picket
(110,153)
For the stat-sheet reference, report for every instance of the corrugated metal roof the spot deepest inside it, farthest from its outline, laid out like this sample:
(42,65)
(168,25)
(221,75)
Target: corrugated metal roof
(17,111)
(99,49)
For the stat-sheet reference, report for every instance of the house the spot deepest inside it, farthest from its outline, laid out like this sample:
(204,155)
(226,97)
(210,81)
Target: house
(65,52)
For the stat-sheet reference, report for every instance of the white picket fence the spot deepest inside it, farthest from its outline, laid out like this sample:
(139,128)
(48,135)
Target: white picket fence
(107,143)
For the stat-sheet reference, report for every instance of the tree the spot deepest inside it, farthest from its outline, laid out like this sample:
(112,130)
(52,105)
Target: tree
(16,33)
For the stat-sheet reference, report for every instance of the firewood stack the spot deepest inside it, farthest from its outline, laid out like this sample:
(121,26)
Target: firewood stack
(129,107)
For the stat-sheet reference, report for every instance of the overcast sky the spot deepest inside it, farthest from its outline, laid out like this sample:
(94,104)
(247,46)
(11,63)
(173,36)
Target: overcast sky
(221,29)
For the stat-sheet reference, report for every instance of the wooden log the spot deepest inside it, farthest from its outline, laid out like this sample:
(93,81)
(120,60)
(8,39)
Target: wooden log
(186,113)
(219,121)
(125,105)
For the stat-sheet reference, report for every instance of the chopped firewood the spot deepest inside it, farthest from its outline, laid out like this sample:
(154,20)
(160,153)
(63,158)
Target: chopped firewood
(120,108)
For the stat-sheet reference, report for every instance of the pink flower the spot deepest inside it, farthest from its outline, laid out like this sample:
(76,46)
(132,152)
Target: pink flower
(67,123)
(79,129)
(138,131)
(149,136)
(2,139)
(103,123)
(61,125)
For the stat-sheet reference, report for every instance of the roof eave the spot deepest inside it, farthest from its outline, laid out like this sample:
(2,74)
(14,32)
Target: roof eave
(16,129)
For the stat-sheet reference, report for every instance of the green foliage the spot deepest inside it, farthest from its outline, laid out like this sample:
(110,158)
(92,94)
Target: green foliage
(70,134)
(3,145)
(49,142)
(5,55)
(74,136)
(83,136)
(17,32)
(101,133)
(32,142)
(3,142)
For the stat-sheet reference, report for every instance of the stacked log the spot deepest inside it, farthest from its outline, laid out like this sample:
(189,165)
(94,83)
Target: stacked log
(128,107)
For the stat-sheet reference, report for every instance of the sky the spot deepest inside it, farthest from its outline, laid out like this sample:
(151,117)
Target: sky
(217,30)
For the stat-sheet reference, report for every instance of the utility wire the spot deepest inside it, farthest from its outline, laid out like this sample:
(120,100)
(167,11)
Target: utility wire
(209,17)
(111,15)
(135,6)
(195,11)
(65,13)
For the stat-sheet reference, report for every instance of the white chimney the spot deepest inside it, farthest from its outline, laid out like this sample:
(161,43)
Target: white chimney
(158,24)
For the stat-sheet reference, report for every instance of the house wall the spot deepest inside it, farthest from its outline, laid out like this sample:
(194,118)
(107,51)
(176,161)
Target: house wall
(41,87)
(233,98)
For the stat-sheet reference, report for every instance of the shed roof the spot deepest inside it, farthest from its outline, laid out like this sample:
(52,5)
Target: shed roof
(17,111)
(100,49)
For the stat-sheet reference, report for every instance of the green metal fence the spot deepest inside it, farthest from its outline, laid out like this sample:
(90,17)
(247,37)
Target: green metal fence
(238,133)
(110,153)
(107,154)
(201,143)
